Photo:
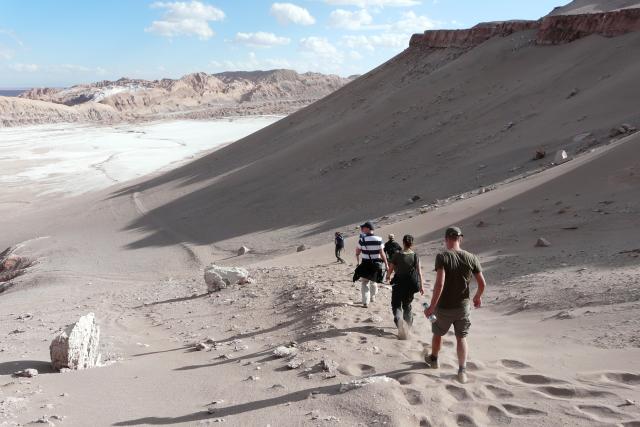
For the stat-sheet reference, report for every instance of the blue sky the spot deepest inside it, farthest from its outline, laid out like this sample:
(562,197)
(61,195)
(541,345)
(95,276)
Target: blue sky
(66,42)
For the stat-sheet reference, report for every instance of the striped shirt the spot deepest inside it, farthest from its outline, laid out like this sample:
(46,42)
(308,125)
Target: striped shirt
(370,246)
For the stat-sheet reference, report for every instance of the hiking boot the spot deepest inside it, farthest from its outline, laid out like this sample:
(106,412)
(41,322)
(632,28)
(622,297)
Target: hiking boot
(431,361)
(462,377)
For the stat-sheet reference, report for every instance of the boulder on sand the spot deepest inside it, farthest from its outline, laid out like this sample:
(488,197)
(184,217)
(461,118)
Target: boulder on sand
(77,346)
(301,248)
(542,243)
(217,277)
(561,157)
(243,251)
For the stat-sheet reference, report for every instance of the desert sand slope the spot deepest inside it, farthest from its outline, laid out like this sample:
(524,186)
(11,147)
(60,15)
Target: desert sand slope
(556,344)
(429,123)
(577,7)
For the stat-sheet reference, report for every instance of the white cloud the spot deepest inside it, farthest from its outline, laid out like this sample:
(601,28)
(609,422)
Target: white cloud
(385,40)
(348,20)
(318,46)
(261,39)
(410,22)
(287,13)
(12,35)
(374,3)
(24,68)
(185,19)
(252,63)
(5,53)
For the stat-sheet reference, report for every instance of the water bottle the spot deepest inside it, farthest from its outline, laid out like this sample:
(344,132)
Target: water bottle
(431,318)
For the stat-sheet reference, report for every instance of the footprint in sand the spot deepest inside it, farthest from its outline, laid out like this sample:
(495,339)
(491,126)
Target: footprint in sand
(357,369)
(623,378)
(463,420)
(498,392)
(498,415)
(522,410)
(601,413)
(414,397)
(458,392)
(571,392)
(513,364)
(537,379)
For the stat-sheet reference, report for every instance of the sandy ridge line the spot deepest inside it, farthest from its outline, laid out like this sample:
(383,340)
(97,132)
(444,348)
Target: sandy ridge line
(142,210)
(422,225)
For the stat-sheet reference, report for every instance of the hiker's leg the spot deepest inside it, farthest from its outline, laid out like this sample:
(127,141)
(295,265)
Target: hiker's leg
(462,352)
(364,286)
(374,290)
(436,345)
(407,299)
(396,304)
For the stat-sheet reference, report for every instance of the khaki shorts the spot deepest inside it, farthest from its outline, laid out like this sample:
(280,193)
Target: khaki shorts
(458,317)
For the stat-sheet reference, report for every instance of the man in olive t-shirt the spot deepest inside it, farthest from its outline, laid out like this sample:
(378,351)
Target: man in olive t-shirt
(450,301)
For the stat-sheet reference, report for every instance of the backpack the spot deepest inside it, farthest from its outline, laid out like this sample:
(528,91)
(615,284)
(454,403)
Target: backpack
(339,241)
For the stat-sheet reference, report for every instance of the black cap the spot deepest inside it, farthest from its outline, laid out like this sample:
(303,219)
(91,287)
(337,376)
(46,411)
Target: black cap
(453,232)
(367,224)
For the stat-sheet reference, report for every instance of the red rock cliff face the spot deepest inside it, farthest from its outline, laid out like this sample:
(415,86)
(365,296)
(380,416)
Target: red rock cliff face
(472,37)
(567,28)
(552,30)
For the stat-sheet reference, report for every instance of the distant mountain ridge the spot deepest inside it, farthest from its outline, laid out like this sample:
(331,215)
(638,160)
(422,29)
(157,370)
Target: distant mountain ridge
(196,95)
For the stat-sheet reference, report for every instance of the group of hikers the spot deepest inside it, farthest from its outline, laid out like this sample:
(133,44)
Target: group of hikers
(399,265)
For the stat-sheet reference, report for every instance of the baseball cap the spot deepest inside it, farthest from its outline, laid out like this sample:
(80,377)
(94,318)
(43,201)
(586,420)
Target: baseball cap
(367,224)
(453,232)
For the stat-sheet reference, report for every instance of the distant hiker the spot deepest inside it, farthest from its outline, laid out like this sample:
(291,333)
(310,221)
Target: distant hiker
(339,241)
(450,301)
(406,282)
(391,247)
(369,271)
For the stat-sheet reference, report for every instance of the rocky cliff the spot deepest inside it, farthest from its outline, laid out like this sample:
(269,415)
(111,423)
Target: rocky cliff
(197,95)
(551,30)
(559,29)
(440,39)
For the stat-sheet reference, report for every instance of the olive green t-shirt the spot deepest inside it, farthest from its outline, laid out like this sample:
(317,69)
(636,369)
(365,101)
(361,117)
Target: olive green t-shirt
(459,267)
(403,262)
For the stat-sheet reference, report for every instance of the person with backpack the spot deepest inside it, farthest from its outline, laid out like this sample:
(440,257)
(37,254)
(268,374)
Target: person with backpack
(339,241)
(407,280)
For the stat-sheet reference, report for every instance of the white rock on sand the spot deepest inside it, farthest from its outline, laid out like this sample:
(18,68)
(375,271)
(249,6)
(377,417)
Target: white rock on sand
(243,251)
(354,384)
(77,346)
(283,351)
(217,277)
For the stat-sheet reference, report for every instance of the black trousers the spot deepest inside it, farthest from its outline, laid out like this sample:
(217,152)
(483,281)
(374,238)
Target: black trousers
(401,299)
(339,253)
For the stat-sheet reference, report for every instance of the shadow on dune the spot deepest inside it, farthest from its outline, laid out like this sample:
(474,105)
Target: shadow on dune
(172,300)
(328,334)
(8,368)
(421,124)
(296,396)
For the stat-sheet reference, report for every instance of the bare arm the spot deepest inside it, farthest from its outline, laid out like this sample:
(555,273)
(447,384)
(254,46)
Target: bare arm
(477,299)
(384,259)
(437,292)
(419,267)
(358,252)
(392,268)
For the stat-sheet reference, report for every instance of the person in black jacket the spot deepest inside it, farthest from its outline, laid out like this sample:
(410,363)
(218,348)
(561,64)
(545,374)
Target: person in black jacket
(390,249)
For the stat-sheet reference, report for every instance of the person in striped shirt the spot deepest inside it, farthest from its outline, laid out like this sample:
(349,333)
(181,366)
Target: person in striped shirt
(371,250)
